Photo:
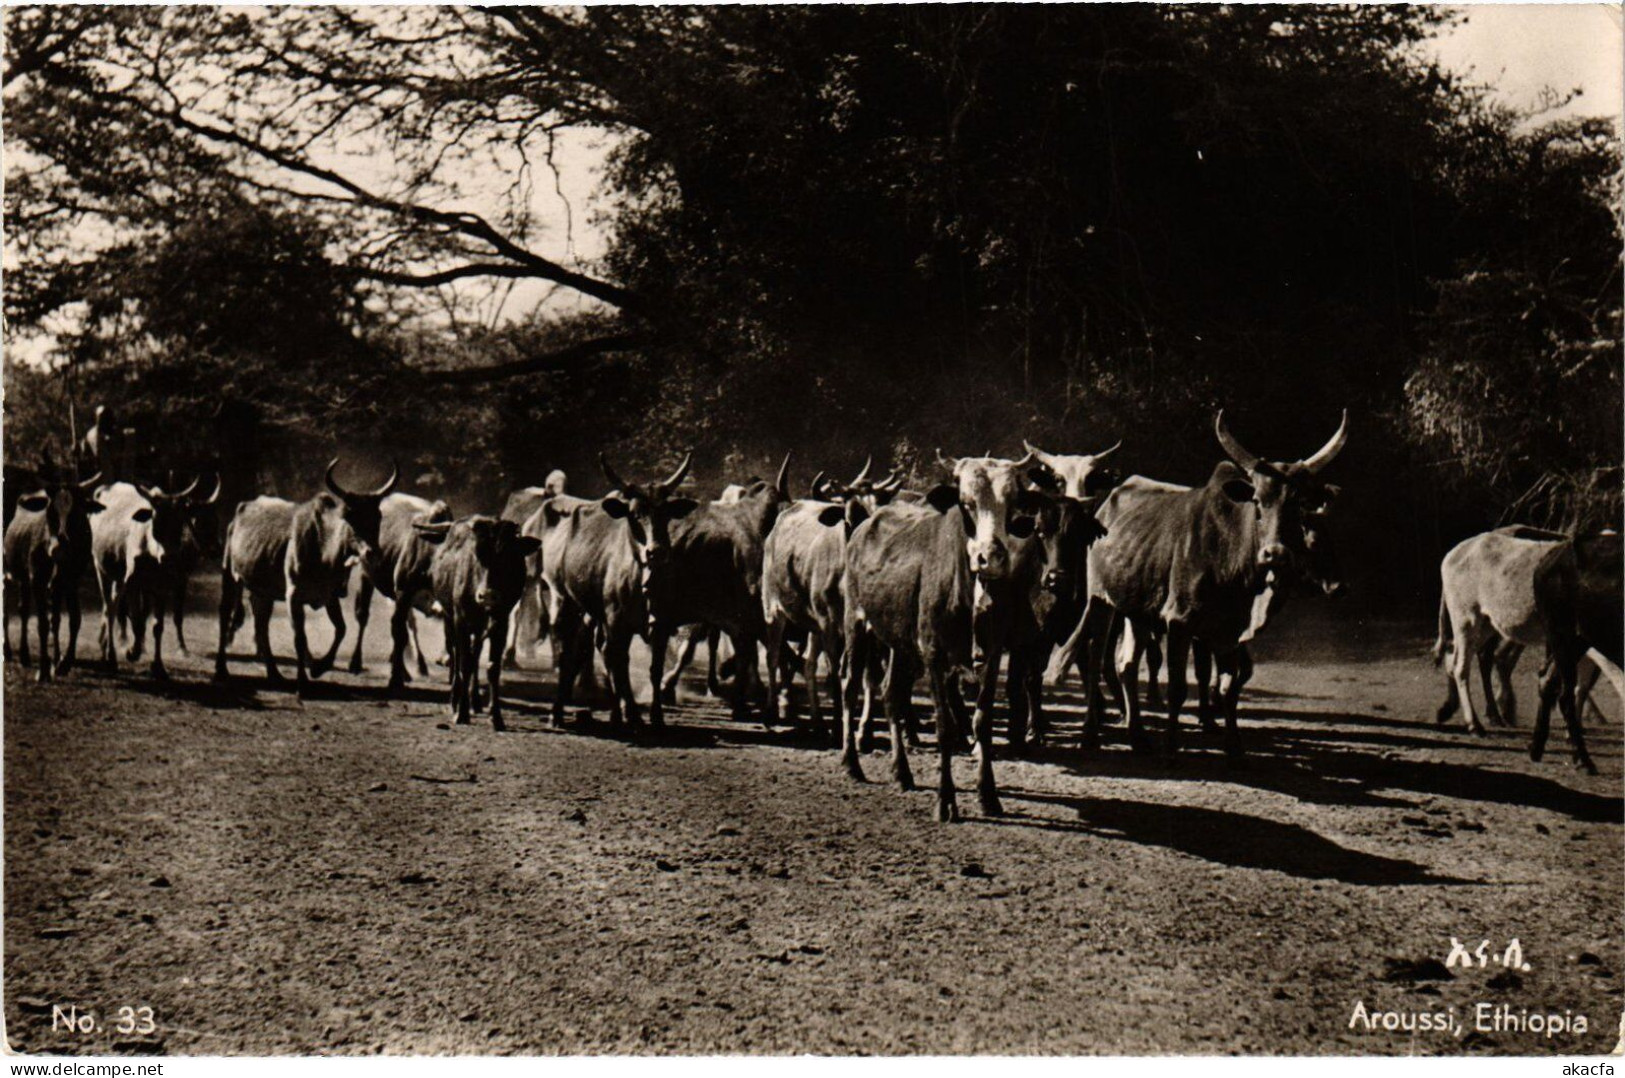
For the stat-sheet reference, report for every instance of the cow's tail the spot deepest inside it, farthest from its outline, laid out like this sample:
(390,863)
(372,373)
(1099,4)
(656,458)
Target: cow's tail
(1442,644)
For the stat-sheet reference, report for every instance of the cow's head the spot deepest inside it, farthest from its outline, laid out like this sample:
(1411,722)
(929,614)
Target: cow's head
(555,482)
(362,510)
(1292,506)
(182,520)
(997,505)
(856,501)
(648,511)
(763,500)
(1079,476)
(496,553)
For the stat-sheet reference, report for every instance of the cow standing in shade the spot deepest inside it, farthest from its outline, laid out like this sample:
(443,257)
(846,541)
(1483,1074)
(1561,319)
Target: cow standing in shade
(716,579)
(47,548)
(200,538)
(1200,564)
(477,572)
(399,568)
(602,562)
(302,554)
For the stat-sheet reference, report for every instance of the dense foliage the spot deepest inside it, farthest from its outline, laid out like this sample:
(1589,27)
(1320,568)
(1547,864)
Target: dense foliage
(836,228)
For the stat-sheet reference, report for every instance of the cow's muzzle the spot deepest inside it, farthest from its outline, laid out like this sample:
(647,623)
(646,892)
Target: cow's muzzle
(1274,556)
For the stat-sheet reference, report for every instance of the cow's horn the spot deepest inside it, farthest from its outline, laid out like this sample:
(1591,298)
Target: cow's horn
(783,482)
(947,462)
(863,473)
(212,498)
(1323,456)
(333,484)
(1028,459)
(1046,459)
(672,482)
(892,482)
(1104,453)
(91,483)
(187,492)
(614,478)
(817,487)
(1234,449)
(389,484)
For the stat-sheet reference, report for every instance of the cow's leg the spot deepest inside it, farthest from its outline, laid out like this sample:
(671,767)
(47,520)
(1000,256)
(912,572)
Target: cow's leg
(567,642)
(464,658)
(400,635)
(25,604)
(987,692)
(1020,706)
(1506,661)
(1567,667)
(944,682)
(229,598)
(177,598)
(779,656)
(1202,660)
(159,613)
(261,607)
(5,612)
(1235,670)
(658,638)
(496,634)
(1486,670)
(899,685)
(1127,660)
(1090,637)
(66,596)
(690,635)
(1034,673)
(135,606)
(1467,645)
(363,614)
(854,665)
(1582,695)
(618,657)
(526,625)
(1153,672)
(40,593)
(747,674)
(1178,641)
(335,615)
(774,712)
(987,791)
(713,645)
(301,644)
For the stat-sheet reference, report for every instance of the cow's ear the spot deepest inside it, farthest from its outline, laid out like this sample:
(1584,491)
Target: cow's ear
(831,515)
(551,515)
(527,545)
(1094,530)
(1041,477)
(142,515)
(1021,526)
(616,508)
(855,513)
(434,532)
(678,508)
(1031,502)
(35,503)
(1100,481)
(92,505)
(943,497)
(1328,496)
(1238,490)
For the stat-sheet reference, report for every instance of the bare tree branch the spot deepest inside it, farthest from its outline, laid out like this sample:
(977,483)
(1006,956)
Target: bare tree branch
(566,358)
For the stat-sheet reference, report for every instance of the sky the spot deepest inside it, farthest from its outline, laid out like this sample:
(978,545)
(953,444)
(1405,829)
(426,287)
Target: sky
(1519,48)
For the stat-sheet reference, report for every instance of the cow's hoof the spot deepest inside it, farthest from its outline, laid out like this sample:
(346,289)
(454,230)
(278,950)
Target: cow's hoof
(63,667)
(853,770)
(159,673)
(131,654)
(355,666)
(1141,745)
(947,811)
(904,779)
(497,724)
(43,676)
(220,677)
(1586,766)
(990,805)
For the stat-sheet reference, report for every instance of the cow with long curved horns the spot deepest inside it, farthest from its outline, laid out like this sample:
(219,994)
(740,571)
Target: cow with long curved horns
(1204,564)
(301,554)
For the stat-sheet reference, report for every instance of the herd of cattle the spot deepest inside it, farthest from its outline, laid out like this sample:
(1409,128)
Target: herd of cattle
(1052,559)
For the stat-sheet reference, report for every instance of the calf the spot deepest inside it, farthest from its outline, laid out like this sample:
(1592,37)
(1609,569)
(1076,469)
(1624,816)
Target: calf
(301,553)
(476,574)
(399,568)
(602,561)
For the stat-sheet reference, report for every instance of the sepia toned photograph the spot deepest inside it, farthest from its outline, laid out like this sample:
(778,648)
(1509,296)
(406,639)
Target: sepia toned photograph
(838,530)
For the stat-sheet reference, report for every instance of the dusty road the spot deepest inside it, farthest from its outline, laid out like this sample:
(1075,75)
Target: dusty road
(351,875)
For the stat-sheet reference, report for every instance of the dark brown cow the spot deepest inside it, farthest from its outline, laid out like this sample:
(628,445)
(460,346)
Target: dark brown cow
(925,582)
(398,568)
(803,561)
(477,573)
(716,579)
(47,549)
(200,540)
(601,562)
(1201,564)
(302,554)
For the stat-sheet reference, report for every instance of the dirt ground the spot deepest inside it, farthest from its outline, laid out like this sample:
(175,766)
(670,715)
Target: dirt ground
(353,875)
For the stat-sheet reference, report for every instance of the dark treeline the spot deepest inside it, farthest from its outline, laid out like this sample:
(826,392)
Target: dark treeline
(837,229)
